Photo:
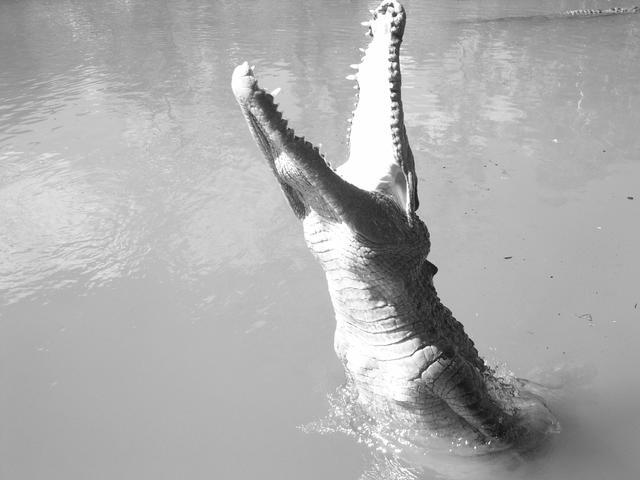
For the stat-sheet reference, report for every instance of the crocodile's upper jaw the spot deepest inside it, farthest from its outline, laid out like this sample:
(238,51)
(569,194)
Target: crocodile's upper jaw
(380,158)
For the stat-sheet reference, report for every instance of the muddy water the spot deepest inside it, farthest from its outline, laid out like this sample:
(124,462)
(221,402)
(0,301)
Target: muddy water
(160,316)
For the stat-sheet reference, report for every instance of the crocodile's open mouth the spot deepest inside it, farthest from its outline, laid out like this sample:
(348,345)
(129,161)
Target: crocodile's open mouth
(307,180)
(380,159)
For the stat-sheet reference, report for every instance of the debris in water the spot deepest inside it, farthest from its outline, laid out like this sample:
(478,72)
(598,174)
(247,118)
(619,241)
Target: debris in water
(587,316)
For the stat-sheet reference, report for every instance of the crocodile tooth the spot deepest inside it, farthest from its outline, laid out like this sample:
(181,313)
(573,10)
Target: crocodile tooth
(350,77)
(276,91)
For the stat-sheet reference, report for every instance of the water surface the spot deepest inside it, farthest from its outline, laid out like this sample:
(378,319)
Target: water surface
(160,316)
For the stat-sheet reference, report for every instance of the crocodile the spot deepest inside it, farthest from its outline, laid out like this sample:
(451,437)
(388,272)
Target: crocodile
(406,358)
(594,12)
(584,13)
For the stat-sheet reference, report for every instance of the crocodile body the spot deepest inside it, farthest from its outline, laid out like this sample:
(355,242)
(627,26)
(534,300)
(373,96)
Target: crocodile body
(585,14)
(595,12)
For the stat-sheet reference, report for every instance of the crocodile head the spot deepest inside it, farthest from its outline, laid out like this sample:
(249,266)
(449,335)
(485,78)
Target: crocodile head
(360,219)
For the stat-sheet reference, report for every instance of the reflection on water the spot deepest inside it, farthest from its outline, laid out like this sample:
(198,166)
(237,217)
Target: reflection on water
(160,316)
(63,225)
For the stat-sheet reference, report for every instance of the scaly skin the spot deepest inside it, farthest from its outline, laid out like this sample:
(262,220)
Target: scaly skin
(405,355)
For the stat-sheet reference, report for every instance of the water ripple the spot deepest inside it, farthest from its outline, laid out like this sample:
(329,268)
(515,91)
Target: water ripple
(63,225)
